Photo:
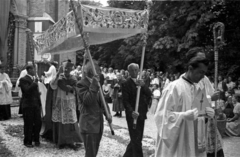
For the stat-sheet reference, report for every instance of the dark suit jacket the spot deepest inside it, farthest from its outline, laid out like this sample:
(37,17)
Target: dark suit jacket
(91,116)
(30,93)
(101,79)
(147,81)
(129,94)
(222,93)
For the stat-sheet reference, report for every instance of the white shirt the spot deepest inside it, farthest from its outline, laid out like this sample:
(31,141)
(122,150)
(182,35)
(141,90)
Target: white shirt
(22,74)
(105,74)
(17,89)
(111,76)
(231,85)
(166,83)
(220,86)
(50,74)
(156,92)
(75,72)
(155,81)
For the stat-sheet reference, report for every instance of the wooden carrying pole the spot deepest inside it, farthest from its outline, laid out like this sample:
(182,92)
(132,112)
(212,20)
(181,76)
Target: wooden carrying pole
(141,65)
(218,31)
(139,87)
(78,19)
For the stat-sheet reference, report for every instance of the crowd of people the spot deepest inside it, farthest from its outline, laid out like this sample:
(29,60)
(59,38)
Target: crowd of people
(73,111)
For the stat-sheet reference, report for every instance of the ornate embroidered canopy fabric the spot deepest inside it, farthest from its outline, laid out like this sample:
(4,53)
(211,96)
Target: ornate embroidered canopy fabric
(102,25)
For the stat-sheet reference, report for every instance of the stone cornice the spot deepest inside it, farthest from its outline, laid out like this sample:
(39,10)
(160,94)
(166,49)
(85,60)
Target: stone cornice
(40,19)
(21,16)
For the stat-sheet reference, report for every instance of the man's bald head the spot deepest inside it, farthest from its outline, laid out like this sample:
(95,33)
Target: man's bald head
(133,70)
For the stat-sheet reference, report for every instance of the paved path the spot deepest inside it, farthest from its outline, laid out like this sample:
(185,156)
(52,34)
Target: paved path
(149,130)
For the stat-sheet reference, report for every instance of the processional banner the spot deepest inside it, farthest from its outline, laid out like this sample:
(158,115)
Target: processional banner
(102,25)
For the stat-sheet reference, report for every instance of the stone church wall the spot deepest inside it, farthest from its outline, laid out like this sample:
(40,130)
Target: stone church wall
(36,8)
(26,9)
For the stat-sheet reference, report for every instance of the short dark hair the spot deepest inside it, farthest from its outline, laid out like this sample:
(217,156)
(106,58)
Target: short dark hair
(28,67)
(193,52)
(193,59)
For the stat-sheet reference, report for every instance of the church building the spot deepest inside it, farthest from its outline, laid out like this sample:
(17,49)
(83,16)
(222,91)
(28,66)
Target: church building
(20,22)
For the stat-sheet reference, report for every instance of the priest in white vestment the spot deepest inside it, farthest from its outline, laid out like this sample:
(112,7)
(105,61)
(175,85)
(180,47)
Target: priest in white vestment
(178,111)
(206,131)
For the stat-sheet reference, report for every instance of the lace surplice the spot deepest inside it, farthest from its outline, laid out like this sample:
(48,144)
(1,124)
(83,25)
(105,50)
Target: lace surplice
(64,108)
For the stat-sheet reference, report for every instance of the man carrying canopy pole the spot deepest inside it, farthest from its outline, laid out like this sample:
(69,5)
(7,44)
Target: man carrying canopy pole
(135,105)
(80,27)
(129,94)
(91,97)
(141,69)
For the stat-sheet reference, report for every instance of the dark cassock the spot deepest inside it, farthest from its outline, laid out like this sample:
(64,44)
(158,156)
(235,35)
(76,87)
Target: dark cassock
(47,124)
(46,131)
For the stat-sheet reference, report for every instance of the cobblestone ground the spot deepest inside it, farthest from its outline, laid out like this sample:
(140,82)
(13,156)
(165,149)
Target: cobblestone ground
(111,146)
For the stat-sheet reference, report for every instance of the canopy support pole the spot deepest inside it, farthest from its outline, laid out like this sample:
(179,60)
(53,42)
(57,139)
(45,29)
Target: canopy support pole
(144,38)
(139,87)
(86,45)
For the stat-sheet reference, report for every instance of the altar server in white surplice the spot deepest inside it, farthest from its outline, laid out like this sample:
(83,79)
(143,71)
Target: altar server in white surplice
(50,74)
(5,94)
(177,114)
